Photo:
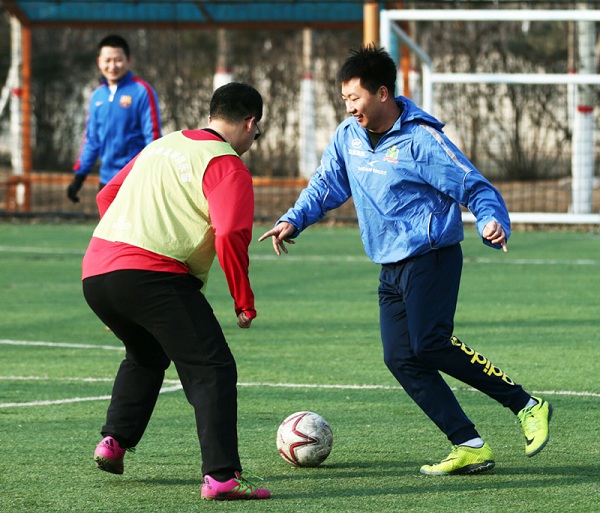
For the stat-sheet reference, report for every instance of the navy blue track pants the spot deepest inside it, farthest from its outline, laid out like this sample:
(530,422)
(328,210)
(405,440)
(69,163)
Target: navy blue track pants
(417,303)
(163,317)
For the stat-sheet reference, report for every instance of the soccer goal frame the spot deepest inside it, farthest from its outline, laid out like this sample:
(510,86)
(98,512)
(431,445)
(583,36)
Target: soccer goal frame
(582,160)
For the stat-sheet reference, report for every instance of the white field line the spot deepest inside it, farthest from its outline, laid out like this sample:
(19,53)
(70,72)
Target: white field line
(76,399)
(59,344)
(39,250)
(466,259)
(530,261)
(176,386)
(324,258)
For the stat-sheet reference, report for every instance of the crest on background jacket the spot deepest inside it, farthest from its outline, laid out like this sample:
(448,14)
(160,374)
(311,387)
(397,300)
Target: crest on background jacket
(125,101)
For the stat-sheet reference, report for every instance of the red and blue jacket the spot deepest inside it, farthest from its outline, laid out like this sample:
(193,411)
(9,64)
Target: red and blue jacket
(119,128)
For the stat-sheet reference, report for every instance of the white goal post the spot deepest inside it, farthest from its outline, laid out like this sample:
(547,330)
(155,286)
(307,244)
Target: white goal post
(582,163)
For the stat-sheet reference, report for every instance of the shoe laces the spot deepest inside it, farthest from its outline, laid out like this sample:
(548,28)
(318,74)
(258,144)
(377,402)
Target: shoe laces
(453,452)
(528,419)
(242,480)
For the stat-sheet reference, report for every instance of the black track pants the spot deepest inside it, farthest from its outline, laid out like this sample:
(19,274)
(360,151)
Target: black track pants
(417,303)
(163,317)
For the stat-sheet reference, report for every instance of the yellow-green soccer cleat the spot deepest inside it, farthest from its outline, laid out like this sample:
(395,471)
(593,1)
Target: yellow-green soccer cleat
(535,422)
(463,460)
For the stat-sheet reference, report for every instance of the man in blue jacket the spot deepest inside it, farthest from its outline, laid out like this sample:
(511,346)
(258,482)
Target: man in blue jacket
(408,181)
(123,117)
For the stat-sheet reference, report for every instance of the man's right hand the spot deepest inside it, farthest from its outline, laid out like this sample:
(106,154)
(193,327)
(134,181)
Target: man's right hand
(280,235)
(244,321)
(74,188)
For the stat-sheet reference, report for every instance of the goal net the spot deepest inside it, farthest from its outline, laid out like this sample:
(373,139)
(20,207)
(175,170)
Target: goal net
(517,90)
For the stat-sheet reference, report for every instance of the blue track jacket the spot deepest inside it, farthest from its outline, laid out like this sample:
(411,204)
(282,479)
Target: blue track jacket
(407,191)
(118,130)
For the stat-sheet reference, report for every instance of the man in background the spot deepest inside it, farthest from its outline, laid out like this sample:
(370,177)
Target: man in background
(123,117)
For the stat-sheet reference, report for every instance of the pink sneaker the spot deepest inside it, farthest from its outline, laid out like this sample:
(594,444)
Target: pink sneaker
(237,488)
(109,456)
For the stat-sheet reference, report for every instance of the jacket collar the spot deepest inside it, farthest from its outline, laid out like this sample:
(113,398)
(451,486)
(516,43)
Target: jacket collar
(128,77)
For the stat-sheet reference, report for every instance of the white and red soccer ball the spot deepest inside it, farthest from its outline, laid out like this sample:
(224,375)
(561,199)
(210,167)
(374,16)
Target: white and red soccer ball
(304,439)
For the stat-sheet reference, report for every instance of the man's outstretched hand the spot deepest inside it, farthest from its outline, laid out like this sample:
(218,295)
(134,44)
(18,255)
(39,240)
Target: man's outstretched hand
(280,235)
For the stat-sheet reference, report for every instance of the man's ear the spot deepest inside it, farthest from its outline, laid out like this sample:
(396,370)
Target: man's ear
(383,93)
(250,124)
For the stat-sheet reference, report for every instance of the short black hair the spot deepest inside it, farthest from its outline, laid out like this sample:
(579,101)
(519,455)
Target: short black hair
(235,102)
(114,41)
(373,66)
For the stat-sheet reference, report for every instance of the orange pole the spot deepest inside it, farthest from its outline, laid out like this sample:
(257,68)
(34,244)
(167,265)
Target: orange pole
(370,23)
(26,113)
(405,62)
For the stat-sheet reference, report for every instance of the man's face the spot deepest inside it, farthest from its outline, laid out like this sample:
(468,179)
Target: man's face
(366,108)
(113,64)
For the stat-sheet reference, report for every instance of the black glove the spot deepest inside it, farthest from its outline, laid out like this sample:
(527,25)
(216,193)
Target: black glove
(74,187)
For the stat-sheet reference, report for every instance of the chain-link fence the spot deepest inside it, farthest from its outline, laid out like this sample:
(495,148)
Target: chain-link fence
(518,135)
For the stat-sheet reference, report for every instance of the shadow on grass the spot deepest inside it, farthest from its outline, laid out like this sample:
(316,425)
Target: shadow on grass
(404,479)
(378,479)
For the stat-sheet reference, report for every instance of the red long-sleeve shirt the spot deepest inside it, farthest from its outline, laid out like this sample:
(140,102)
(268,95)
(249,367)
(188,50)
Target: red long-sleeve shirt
(227,185)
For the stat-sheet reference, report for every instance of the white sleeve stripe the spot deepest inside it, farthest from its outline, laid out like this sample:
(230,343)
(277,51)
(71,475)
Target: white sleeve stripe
(440,140)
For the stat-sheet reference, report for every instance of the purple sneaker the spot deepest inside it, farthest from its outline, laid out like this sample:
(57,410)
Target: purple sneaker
(237,488)
(109,456)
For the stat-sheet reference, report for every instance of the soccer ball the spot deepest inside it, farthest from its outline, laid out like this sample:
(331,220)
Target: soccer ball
(304,439)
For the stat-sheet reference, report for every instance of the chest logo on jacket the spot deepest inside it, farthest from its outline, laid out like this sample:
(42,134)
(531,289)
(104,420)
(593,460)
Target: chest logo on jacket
(125,101)
(370,168)
(355,150)
(391,155)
